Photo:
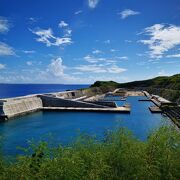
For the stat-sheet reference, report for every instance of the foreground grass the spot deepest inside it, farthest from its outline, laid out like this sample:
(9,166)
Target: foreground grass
(119,156)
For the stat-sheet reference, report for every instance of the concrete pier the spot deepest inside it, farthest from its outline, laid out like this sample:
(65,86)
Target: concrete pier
(117,109)
(77,100)
(155,109)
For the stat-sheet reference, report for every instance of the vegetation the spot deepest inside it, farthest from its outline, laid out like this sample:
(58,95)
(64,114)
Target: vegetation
(167,87)
(105,83)
(172,82)
(119,156)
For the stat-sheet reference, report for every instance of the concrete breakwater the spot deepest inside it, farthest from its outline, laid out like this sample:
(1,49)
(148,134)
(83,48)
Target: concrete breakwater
(74,100)
(18,106)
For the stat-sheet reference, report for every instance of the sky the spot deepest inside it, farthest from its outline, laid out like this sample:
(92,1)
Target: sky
(81,41)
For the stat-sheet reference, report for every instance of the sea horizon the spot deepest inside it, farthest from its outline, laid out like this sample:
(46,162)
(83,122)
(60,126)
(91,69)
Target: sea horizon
(16,90)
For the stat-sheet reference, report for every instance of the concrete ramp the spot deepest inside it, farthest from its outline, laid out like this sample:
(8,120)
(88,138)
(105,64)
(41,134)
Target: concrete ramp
(49,101)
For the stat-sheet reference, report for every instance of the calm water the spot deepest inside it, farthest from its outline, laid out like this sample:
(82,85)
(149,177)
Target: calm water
(13,90)
(64,126)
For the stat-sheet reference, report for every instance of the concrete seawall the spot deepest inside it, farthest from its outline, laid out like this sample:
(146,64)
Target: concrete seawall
(78,100)
(49,101)
(17,106)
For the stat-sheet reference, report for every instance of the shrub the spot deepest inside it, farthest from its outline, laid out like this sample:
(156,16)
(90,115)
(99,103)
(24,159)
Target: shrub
(119,156)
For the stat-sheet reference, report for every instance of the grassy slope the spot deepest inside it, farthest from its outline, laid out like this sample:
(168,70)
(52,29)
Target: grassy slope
(168,87)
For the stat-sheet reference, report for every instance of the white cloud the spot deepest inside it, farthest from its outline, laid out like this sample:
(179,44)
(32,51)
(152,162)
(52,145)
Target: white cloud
(114,50)
(6,50)
(100,68)
(33,20)
(115,69)
(163,73)
(56,67)
(162,38)
(96,51)
(29,51)
(2,66)
(173,56)
(78,12)
(62,24)
(93,3)
(29,63)
(67,32)
(128,41)
(4,25)
(107,41)
(128,12)
(122,57)
(92,59)
(46,36)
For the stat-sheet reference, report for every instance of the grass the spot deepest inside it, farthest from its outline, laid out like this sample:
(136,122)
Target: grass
(119,156)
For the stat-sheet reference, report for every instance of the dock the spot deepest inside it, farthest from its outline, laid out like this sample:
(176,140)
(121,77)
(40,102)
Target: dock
(155,109)
(144,99)
(122,109)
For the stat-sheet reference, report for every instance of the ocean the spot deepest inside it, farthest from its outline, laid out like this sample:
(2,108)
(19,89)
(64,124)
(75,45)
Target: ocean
(14,90)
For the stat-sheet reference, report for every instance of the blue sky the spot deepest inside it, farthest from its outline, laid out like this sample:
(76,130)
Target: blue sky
(81,41)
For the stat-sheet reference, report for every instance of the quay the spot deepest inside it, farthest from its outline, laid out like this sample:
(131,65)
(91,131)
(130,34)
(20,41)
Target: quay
(77,100)
(122,109)
(162,105)
(85,101)
(144,99)
(155,109)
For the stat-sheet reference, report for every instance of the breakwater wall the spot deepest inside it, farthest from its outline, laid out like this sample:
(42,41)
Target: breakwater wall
(18,106)
(12,107)
(49,101)
(104,103)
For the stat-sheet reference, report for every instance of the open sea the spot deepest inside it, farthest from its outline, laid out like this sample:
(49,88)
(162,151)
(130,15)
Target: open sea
(64,127)
(14,90)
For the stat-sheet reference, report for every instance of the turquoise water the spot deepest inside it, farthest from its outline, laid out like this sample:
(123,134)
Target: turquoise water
(64,126)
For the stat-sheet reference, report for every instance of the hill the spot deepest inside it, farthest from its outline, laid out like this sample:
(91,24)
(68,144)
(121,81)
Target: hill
(165,86)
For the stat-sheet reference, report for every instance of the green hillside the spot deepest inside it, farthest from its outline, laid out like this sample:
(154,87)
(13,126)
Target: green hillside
(167,87)
(105,83)
(172,82)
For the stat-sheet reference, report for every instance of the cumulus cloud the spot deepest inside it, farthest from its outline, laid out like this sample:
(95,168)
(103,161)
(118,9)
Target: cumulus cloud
(93,3)
(4,25)
(56,70)
(128,12)
(62,24)
(6,50)
(2,66)
(56,67)
(46,36)
(161,39)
